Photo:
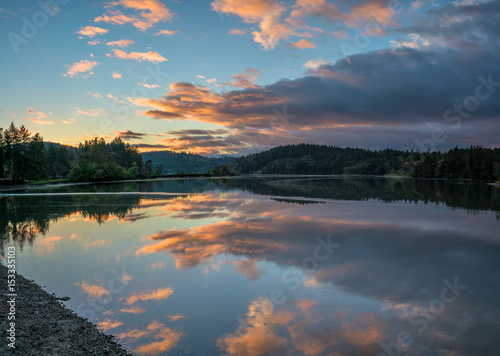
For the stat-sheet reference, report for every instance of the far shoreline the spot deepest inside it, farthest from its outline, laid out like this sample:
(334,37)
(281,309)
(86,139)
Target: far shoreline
(61,183)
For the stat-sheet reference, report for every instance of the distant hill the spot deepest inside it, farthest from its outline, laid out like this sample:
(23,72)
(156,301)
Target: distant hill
(55,144)
(188,163)
(471,163)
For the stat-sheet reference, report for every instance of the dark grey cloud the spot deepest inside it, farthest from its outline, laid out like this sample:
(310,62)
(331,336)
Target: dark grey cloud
(130,135)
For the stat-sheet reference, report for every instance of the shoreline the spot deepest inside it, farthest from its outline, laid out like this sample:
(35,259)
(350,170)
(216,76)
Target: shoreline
(26,186)
(45,326)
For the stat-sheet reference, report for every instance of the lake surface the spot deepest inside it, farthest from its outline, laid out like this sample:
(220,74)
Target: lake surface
(270,266)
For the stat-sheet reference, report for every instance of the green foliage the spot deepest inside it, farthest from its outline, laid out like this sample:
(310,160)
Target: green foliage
(222,171)
(471,163)
(22,155)
(100,161)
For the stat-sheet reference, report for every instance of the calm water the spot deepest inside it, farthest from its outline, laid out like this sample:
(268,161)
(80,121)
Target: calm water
(276,266)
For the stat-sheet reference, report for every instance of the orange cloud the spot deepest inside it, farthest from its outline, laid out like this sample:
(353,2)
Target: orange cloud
(303,44)
(83,66)
(259,334)
(149,86)
(166,33)
(303,8)
(153,57)
(267,13)
(167,338)
(47,244)
(92,290)
(356,17)
(121,43)
(108,324)
(176,317)
(235,31)
(250,11)
(159,294)
(245,79)
(151,12)
(116,75)
(43,122)
(91,31)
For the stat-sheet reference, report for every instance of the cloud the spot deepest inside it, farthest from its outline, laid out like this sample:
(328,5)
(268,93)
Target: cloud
(147,146)
(377,15)
(91,31)
(211,80)
(108,324)
(130,135)
(176,317)
(460,27)
(150,12)
(245,79)
(150,56)
(158,294)
(43,122)
(116,75)
(303,8)
(83,66)
(94,42)
(161,339)
(200,76)
(149,86)
(93,291)
(121,43)
(235,31)
(267,13)
(4,13)
(207,142)
(166,33)
(315,63)
(91,112)
(258,335)
(303,44)
(133,310)
(96,95)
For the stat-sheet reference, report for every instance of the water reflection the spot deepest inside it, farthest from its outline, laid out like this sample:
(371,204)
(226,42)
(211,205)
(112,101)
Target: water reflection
(274,267)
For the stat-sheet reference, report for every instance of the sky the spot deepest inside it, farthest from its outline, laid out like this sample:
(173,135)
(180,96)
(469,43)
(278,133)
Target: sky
(235,77)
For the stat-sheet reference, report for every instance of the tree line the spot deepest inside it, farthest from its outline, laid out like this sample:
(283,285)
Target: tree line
(470,163)
(24,157)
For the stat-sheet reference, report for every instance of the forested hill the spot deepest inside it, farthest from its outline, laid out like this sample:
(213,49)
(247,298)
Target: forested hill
(173,162)
(474,162)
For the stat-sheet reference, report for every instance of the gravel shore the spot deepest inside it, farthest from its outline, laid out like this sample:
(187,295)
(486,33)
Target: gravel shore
(44,326)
